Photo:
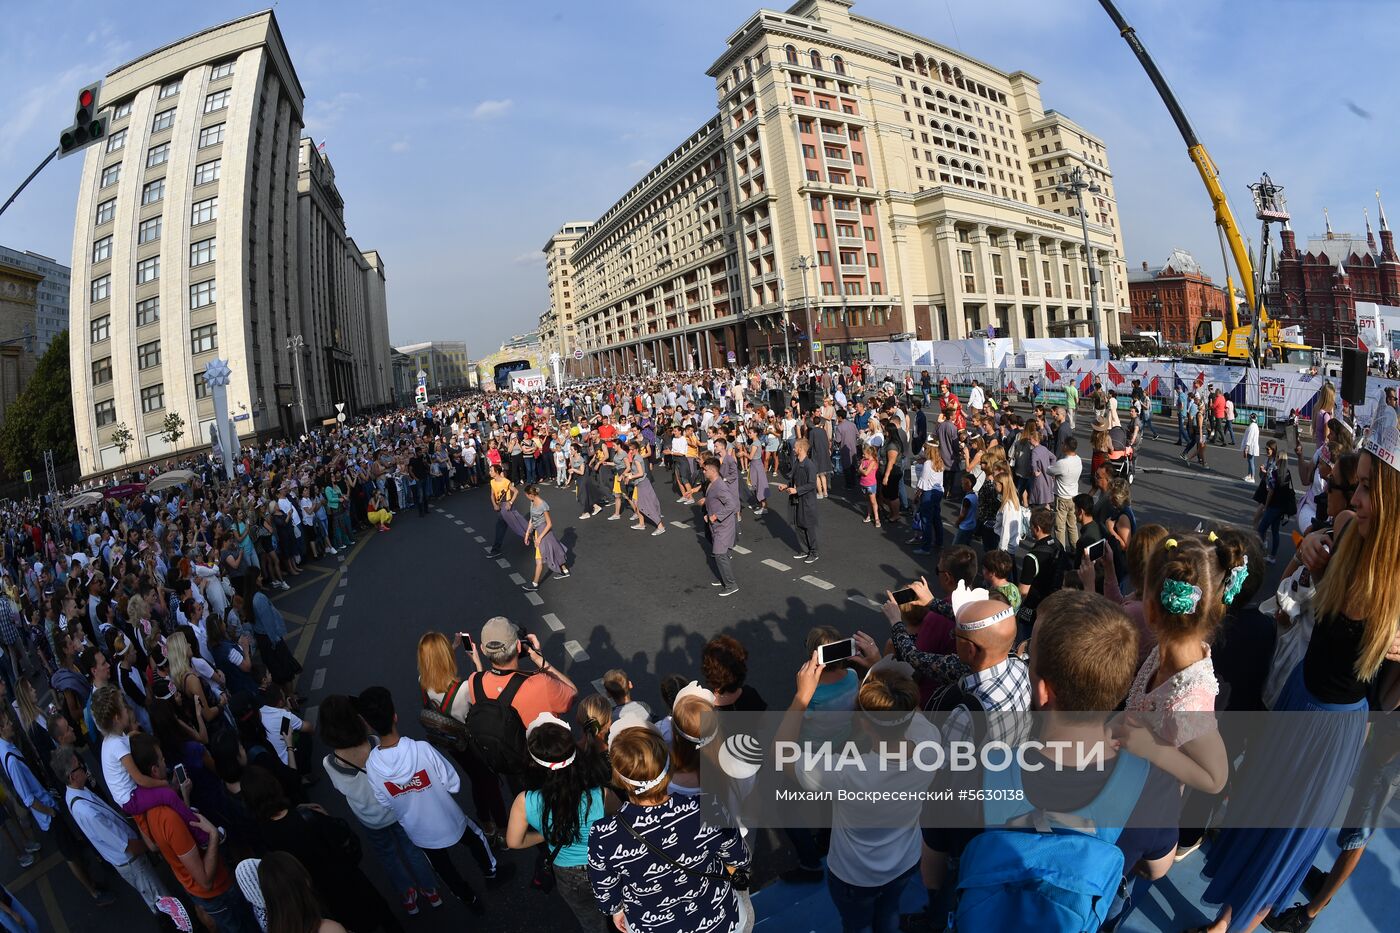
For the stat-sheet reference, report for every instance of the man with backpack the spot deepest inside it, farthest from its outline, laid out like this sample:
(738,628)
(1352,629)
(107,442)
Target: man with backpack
(1084,803)
(504,698)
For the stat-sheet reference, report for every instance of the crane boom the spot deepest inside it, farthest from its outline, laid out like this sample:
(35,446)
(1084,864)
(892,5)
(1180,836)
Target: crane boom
(1210,175)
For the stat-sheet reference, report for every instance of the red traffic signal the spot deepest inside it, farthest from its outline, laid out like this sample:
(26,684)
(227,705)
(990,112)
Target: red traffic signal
(87,127)
(86,97)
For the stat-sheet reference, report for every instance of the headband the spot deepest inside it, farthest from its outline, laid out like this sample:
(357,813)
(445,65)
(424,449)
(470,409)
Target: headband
(547,718)
(973,625)
(642,787)
(633,721)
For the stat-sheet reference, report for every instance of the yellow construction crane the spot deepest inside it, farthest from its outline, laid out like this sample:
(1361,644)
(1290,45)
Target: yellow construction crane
(1226,341)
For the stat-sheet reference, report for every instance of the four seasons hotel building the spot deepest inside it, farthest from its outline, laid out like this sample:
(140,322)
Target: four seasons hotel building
(918,184)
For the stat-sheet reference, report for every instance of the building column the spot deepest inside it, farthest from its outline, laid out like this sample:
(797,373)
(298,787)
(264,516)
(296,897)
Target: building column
(945,243)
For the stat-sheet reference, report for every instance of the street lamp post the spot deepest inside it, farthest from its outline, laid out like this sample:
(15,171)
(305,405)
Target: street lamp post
(1154,308)
(802,264)
(782,301)
(294,346)
(1076,186)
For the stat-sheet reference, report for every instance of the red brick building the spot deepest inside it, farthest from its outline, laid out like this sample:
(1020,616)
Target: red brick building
(1318,288)
(1185,292)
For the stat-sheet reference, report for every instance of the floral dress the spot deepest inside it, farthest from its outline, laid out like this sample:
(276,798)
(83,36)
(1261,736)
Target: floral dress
(1192,690)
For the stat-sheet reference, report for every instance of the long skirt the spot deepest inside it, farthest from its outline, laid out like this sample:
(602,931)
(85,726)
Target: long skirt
(516,522)
(586,496)
(758,480)
(548,549)
(644,500)
(1297,773)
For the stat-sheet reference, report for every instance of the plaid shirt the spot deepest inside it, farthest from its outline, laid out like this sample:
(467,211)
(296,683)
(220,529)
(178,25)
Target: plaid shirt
(1004,690)
(9,626)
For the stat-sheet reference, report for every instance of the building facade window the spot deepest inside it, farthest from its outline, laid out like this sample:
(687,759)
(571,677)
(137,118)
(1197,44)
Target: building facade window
(204,339)
(169,90)
(105,412)
(148,311)
(205,172)
(202,212)
(153,398)
(111,174)
(221,70)
(148,355)
(163,120)
(148,270)
(211,135)
(101,288)
(203,294)
(102,249)
(149,231)
(157,155)
(153,191)
(122,110)
(202,251)
(201,388)
(102,371)
(100,328)
(106,211)
(116,140)
(217,100)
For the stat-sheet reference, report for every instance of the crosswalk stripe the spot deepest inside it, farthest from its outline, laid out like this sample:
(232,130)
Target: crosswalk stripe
(502,562)
(819,583)
(318,678)
(680,524)
(326,646)
(535,599)
(775,564)
(740,550)
(575,650)
(517,579)
(480,540)
(865,601)
(553,622)
(339,601)
(332,622)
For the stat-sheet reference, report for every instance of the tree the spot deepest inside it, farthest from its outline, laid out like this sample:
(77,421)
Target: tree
(172,428)
(122,438)
(41,418)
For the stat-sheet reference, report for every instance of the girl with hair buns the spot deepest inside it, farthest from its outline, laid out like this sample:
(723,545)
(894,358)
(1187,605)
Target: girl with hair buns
(1357,605)
(572,796)
(1187,591)
(635,856)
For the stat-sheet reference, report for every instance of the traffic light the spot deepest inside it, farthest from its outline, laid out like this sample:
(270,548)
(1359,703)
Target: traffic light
(88,126)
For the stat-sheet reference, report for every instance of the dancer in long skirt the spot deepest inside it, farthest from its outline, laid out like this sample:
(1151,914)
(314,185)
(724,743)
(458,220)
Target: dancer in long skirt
(503,496)
(644,499)
(758,476)
(548,551)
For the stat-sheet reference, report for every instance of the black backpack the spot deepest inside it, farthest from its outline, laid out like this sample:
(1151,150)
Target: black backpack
(494,729)
(443,731)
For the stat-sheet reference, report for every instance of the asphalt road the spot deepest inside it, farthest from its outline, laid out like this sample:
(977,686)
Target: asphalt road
(634,601)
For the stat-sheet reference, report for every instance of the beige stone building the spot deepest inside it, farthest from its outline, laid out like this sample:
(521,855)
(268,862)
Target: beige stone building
(19,303)
(915,183)
(557,331)
(188,245)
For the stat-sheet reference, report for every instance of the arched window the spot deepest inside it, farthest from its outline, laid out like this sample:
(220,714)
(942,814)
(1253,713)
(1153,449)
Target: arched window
(816,59)
(791,54)
(838,64)
(942,160)
(946,72)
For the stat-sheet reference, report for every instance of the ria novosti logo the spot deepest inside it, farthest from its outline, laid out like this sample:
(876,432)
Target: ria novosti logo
(740,756)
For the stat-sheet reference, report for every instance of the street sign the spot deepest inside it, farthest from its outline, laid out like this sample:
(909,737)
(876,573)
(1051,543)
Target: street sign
(340,417)
(29,476)
(339,406)
(241,417)
(578,354)
(816,346)
(422,378)
(730,356)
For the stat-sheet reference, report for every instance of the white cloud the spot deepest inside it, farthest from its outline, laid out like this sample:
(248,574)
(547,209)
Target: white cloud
(400,146)
(490,109)
(322,114)
(528,259)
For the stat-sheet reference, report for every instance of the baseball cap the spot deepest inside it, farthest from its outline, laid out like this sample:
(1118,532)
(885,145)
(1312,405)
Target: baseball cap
(498,633)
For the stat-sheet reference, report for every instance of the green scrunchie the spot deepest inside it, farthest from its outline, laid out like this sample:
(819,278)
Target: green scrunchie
(1235,582)
(1179,597)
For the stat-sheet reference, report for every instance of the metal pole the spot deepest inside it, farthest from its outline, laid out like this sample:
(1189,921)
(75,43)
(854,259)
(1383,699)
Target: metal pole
(25,184)
(1093,274)
(295,345)
(803,263)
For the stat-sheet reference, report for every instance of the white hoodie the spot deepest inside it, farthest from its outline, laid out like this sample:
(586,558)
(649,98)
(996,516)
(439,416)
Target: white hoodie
(417,784)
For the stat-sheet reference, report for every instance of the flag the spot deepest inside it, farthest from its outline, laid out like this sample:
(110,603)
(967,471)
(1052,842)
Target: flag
(1114,375)
(1050,372)
(1361,344)
(1133,368)
(1086,385)
(1152,386)
(1200,378)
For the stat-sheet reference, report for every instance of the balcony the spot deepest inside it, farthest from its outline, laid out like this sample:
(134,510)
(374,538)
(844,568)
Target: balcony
(850,241)
(835,138)
(848,216)
(844,164)
(853,268)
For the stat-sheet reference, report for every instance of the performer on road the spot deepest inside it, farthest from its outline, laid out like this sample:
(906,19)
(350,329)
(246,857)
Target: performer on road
(804,499)
(644,499)
(721,515)
(548,550)
(503,496)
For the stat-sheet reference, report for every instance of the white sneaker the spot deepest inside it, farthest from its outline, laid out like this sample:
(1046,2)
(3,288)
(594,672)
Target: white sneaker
(1247,478)
(330,550)
(614,518)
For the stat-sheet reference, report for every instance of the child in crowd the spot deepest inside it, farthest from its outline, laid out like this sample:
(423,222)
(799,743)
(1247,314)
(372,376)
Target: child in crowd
(619,690)
(997,567)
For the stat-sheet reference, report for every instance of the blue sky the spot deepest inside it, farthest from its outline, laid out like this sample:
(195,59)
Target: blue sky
(464,133)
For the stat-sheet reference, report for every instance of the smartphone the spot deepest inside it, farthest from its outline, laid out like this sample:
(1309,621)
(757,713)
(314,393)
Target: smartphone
(286,725)
(906,595)
(835,651)
(466,640)
(1095,550)
(179,772)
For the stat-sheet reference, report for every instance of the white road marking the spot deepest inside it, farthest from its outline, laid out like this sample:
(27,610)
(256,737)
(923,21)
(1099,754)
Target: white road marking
(575,650)
(470,530)
(819,583)
(598,685)
(460,522)
(740,550)
(775,564)
(535,598)
(502,562)
(332,622)
(339,601)
(865,601)
(680,524)
(344,580)
(448,514)
(480,539)
(517,579)
(318,678)
(553,622)
(326,646)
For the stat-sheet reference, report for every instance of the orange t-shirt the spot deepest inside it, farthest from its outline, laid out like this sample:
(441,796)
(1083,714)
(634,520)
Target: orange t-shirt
(165,828)
(538,694)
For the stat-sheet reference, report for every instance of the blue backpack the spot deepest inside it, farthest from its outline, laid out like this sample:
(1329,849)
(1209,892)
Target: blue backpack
(1047,871)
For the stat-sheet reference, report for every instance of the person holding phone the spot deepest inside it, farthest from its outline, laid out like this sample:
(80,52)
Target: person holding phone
(1091,538)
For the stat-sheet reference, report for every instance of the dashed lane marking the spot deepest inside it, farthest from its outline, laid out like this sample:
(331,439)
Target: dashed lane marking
(517,579)
(502,562)
(339,601)
(818,582)
(318,679)
(775,564)
(680,524)
(865,601)
(470,530)
(740,550)
(553,622)
(535,599)
(575,650)
(332,622)
(598,685)
(326,647)
(480,539)
(460,522)
(344,581)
